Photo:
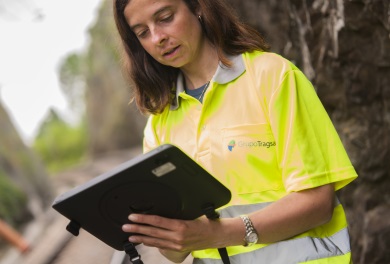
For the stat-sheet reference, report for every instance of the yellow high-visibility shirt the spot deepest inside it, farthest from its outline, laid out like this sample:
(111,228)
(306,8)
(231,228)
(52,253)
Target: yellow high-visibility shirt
(261,131)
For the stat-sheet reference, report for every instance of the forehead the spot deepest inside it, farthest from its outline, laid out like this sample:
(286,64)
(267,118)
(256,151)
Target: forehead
(140,9)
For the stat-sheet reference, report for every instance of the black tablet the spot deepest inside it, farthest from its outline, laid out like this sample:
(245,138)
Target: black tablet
(164,181)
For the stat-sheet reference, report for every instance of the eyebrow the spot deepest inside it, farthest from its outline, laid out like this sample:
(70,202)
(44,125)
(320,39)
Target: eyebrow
(158,12)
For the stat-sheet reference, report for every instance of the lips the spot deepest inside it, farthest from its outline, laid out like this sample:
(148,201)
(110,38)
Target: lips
(170,51)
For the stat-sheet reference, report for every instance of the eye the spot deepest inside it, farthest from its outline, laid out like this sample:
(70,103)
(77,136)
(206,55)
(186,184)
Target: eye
(141,33)
(166,18)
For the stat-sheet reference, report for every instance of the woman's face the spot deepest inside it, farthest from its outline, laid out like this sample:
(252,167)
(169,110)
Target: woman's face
(166,29)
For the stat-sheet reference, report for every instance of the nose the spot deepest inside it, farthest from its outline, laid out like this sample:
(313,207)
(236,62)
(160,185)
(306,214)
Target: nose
(158,36)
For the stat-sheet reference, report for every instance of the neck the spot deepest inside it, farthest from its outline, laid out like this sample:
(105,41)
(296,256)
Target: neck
(202,70)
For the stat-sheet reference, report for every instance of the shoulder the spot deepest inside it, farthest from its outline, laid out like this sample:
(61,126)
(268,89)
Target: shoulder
(268,71)
(267,62)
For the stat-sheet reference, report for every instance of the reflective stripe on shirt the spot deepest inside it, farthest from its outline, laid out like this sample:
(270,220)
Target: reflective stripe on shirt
(292,251)
(296,250)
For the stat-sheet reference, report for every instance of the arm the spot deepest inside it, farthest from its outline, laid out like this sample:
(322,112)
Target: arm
(295,213)
(176,257)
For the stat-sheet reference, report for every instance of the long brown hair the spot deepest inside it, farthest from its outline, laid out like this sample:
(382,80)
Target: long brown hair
(154,82)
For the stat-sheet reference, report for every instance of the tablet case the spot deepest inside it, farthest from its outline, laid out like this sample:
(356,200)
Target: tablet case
(164,181)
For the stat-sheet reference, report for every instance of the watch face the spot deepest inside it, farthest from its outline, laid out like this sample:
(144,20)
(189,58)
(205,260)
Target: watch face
(252,238)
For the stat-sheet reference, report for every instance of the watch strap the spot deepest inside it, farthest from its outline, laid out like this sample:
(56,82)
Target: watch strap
(249,230)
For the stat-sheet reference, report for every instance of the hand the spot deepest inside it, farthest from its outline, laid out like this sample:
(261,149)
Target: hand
(175,238)
(173,234)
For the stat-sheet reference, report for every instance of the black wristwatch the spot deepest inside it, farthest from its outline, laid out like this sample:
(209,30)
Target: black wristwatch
(251,236)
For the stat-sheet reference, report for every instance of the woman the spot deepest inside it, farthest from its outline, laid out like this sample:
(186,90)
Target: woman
(248,116)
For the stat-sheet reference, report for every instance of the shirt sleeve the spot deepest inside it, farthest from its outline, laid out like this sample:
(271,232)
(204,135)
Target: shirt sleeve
(150,140)
(309,150)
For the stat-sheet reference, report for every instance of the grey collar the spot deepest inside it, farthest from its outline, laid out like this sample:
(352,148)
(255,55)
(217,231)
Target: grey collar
(222,75)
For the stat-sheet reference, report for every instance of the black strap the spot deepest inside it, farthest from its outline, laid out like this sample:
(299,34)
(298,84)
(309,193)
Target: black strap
(224,255)
(211,213)
(73,227)
(130,249)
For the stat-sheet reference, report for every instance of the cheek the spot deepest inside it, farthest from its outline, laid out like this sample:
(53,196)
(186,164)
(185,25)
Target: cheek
(187,30)
(152,51)
(191,36)
(148,47)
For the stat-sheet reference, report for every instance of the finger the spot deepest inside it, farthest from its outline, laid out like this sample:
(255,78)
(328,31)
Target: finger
(157,242)
(148,230)
(154,220)
(153,236)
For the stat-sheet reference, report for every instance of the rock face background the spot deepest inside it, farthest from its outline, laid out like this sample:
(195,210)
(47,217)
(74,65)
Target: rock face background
(113,123)
(344,48)
(21,173)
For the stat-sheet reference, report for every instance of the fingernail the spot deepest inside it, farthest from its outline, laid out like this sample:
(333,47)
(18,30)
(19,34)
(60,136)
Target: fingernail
(133,239)
(133,217)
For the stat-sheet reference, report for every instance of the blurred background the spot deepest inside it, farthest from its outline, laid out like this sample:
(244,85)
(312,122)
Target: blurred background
(65,115)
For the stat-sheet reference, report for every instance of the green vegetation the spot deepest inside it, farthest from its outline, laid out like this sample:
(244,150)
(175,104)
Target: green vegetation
(72,80)
(60,145)
(12,200)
